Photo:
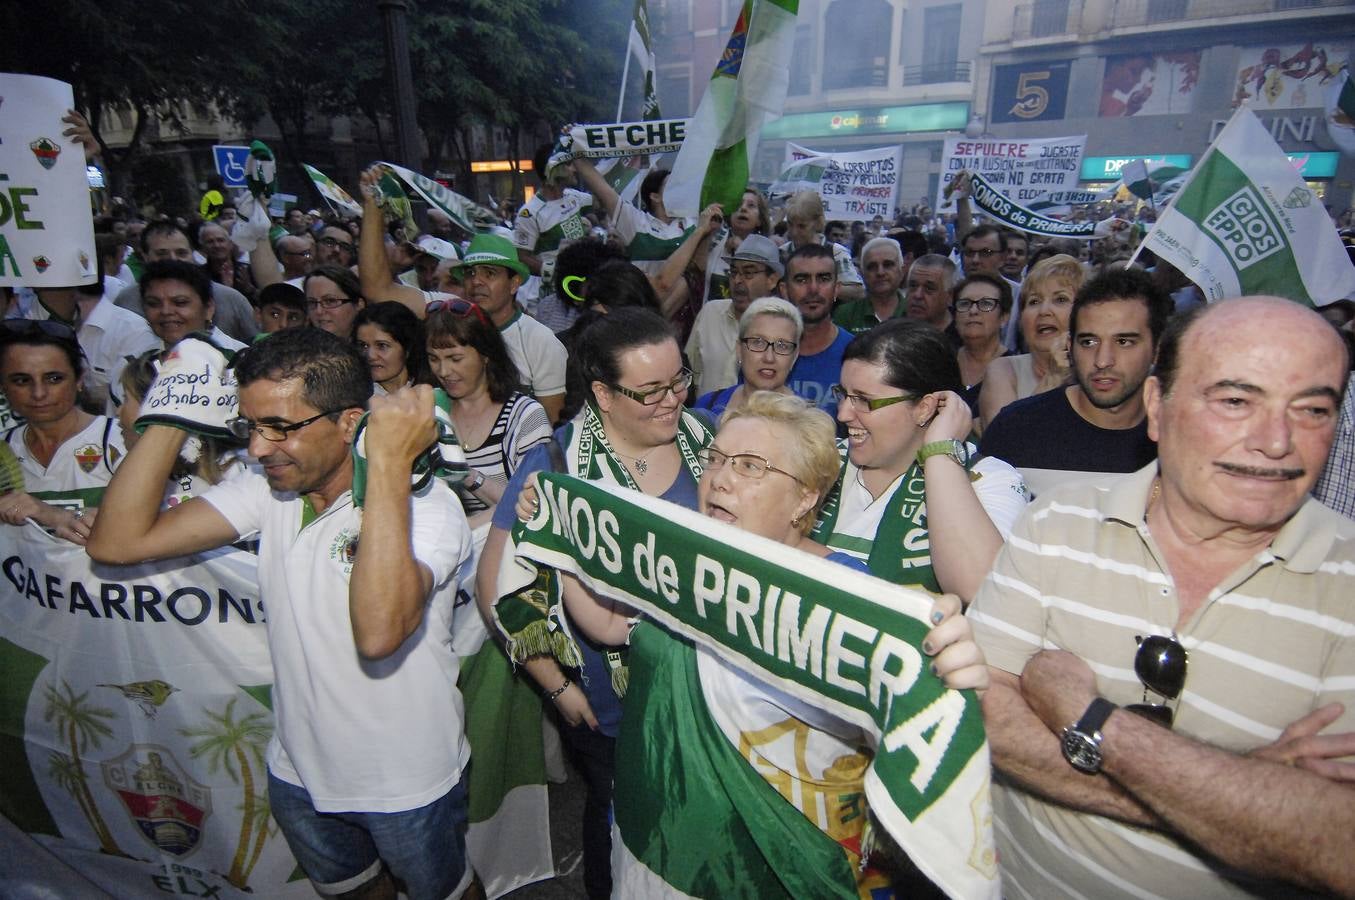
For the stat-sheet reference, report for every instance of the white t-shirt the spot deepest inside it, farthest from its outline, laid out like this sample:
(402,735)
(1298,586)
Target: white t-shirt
(80,469)
(359,735)
(108,335)
(649,242)
(538,354)
(999,487)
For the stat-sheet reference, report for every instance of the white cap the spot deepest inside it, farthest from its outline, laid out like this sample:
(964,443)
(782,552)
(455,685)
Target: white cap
(438,248)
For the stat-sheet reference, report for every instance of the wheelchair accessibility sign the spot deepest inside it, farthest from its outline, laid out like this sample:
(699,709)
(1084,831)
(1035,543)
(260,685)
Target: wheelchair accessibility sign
(230,164)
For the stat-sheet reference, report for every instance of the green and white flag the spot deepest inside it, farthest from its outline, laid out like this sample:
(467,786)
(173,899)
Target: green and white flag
(1245,223)
(835,639)
(464,212)
(338,199)
(1341,111)
(640,50)
(747,90)
(1143,176)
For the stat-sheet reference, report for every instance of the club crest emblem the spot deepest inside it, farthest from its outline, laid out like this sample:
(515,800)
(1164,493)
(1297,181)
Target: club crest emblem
(1299,198)
(168,807)
(88,457)
(46,150)
(344,547)
(42,264)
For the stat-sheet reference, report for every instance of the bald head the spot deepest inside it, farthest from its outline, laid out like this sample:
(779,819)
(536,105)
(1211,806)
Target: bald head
(1271,325)
(1243,405)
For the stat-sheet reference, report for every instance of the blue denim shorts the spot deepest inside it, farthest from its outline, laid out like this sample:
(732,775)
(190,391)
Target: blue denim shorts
(425,848)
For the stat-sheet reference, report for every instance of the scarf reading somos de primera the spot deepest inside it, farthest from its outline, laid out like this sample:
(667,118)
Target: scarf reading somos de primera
(837,639)
(531,619)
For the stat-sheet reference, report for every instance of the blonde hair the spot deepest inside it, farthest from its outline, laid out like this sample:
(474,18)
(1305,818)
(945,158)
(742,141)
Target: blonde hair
(814,458)
(772,306)
(1061,268)
(806,205)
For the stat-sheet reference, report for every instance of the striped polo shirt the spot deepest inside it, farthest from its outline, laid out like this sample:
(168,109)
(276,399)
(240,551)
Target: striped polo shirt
(1270,644)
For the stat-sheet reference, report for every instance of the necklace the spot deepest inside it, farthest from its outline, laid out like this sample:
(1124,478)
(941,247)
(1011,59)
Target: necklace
(641,466)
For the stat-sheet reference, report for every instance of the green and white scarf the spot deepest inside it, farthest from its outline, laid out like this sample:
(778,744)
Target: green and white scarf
(532,619)
(893,552)
(831,637)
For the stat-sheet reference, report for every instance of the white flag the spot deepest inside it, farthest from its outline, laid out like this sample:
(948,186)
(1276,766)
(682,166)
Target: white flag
(1245,223)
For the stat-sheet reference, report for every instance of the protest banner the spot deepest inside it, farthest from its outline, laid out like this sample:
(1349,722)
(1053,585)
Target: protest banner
(1021,170)
(136,706)
(46,225)
(627,138)
(856,186)
(1245,223)
(1013,215)
(837,639)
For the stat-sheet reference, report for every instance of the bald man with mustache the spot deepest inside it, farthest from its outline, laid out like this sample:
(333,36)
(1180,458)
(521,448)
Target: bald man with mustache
(1174,649)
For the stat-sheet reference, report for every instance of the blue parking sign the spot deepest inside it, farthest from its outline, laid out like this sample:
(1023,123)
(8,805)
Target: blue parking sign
(230,164)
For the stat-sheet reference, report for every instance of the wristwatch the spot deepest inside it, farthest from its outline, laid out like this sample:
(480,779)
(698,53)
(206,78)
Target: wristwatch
(477,483)
(1082,740)
(956,450)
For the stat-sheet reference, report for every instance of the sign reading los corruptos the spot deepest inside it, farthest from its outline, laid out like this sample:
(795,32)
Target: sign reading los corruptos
(856,186)
(46,226)
(1022,170)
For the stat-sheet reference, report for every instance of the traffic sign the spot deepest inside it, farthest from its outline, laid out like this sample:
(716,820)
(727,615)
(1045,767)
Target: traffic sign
(230,164)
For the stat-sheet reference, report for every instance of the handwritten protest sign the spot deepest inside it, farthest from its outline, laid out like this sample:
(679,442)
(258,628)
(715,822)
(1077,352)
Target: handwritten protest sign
(1021,170)
(856,186)
(46,226)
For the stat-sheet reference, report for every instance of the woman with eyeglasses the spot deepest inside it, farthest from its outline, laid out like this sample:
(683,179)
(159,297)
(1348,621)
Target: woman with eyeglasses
(769,344)
(914,500)
(390,338)
(768,471)
(980,305)
(632,431)
(496,423)
(333,300)
(65,455)
(1046,304)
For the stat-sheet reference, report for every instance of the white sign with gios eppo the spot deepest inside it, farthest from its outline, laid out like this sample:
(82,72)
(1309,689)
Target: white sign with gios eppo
(46,226)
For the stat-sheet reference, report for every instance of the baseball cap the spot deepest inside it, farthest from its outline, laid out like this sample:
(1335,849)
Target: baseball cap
(493,250)
(437,248)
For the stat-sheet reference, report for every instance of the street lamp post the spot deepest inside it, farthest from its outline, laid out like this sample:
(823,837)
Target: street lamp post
(393,16)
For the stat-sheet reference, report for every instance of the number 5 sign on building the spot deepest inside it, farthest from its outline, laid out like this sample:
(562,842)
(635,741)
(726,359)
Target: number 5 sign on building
(1029,92)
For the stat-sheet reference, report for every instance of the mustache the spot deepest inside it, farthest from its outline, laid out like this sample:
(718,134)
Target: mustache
(1258,472)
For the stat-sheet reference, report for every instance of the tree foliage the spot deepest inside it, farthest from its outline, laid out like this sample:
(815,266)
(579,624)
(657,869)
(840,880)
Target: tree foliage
(523,66)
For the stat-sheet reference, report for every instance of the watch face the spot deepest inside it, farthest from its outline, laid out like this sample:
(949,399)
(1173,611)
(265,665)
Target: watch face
(1081,751)
(961,453)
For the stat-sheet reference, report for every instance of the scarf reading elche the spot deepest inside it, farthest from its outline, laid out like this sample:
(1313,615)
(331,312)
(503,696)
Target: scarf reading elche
(532,619)
(829,636)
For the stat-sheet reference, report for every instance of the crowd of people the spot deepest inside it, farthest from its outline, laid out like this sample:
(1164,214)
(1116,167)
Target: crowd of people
(1099,476)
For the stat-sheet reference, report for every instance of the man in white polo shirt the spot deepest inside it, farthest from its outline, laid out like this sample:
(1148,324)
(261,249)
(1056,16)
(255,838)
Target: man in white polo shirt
(1166,646)
(368,757)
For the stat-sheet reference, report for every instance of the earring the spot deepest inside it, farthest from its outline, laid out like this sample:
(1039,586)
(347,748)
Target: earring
(798,521)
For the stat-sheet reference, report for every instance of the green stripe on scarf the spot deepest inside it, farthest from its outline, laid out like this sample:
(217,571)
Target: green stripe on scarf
(532,620)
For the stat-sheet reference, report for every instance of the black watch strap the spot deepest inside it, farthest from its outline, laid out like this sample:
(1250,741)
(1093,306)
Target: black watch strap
(1095,717)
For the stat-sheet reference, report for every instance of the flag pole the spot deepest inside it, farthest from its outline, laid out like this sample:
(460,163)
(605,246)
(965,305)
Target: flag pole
(625,73)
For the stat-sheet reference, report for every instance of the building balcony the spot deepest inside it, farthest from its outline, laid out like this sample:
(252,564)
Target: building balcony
(1147,13)
(944,73)
(1046,19)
